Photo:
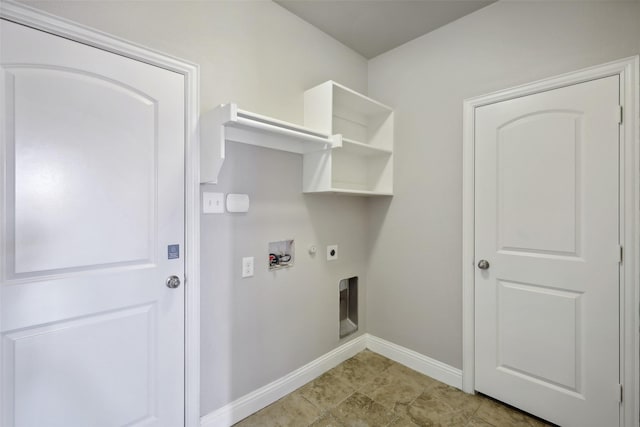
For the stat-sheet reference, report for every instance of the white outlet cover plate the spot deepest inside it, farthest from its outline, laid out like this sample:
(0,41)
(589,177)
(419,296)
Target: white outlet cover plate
(335,255)
(212,202)
(247,266)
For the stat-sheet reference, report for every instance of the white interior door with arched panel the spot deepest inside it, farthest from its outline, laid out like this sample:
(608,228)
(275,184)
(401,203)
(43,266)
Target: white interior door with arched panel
(93,225)
(550,260)
(547,253)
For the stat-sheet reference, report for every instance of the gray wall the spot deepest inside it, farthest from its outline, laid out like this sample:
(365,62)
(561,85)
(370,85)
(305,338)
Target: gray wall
(259,55)
(414,285)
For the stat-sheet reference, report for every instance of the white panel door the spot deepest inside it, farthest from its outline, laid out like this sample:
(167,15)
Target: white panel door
(92,198)
(547,337)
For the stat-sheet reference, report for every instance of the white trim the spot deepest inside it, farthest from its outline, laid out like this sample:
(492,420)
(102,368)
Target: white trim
(416,361)
(40,20)
(468,248)
(264,396)
(630,240)
(627,69)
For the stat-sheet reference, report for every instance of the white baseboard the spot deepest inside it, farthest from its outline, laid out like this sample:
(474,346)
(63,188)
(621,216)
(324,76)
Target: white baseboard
(416,361)
(264,396)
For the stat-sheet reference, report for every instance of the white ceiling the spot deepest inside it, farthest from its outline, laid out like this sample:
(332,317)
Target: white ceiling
(372,27)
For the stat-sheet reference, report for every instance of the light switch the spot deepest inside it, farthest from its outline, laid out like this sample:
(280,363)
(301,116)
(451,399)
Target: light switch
(212,202)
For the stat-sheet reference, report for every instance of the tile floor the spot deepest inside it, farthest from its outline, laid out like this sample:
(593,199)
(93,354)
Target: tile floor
(371,390)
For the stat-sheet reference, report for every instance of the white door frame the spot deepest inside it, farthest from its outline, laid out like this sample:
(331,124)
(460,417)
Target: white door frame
(627,69)
(40,20)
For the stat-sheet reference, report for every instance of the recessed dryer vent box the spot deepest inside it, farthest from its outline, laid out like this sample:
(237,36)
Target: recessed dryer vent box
(348,306)
(281,254)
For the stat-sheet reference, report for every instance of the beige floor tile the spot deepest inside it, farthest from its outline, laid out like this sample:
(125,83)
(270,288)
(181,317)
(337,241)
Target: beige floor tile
(326,391)
(428,410)
(392,393)
(468,404)
(502,415)
(403,422)
(355,372)
(359,410)
(477,422)
(290,411)
(375,361)
(408,375)
(327,420)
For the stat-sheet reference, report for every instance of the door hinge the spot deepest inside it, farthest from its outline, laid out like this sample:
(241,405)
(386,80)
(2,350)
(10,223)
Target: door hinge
(620,114)
(621,253)
(621,393)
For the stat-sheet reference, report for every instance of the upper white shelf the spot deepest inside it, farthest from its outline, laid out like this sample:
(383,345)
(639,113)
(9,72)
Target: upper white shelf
(228,123)
(335,109)
(350,100)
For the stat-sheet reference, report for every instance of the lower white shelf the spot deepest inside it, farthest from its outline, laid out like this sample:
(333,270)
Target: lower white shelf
(348,192)
(345,172)
(361,149)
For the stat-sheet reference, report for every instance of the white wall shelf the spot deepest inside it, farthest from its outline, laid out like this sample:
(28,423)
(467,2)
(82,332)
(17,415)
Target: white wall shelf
(359,148)
(228,123)
(361,159)
(346,140)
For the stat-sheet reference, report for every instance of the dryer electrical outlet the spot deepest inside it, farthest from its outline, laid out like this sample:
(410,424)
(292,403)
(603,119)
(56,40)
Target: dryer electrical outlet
(332,252)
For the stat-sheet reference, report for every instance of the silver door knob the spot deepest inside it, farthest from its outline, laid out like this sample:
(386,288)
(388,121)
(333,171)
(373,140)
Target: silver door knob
(173,282)
(483,264)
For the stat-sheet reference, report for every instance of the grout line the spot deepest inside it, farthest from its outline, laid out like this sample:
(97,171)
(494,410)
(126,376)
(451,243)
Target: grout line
(348,396)
(312,404)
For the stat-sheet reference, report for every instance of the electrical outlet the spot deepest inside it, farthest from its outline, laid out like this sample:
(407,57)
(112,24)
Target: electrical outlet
(332,252)
(247,266)
(212,202)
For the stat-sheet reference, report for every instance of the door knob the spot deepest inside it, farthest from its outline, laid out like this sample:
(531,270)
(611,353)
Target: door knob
(483,264)
(173,282)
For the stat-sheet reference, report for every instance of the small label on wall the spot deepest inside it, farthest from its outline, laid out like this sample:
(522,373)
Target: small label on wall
(173,251)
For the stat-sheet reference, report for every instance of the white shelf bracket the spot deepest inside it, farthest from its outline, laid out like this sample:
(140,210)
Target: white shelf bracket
(336,141)
(228,123)
(212,135)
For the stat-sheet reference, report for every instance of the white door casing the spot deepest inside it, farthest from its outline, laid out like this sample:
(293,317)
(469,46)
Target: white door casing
(546,213)
(531,268)
(93,195)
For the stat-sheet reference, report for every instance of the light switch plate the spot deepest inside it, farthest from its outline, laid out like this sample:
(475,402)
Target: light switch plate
(212,202)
